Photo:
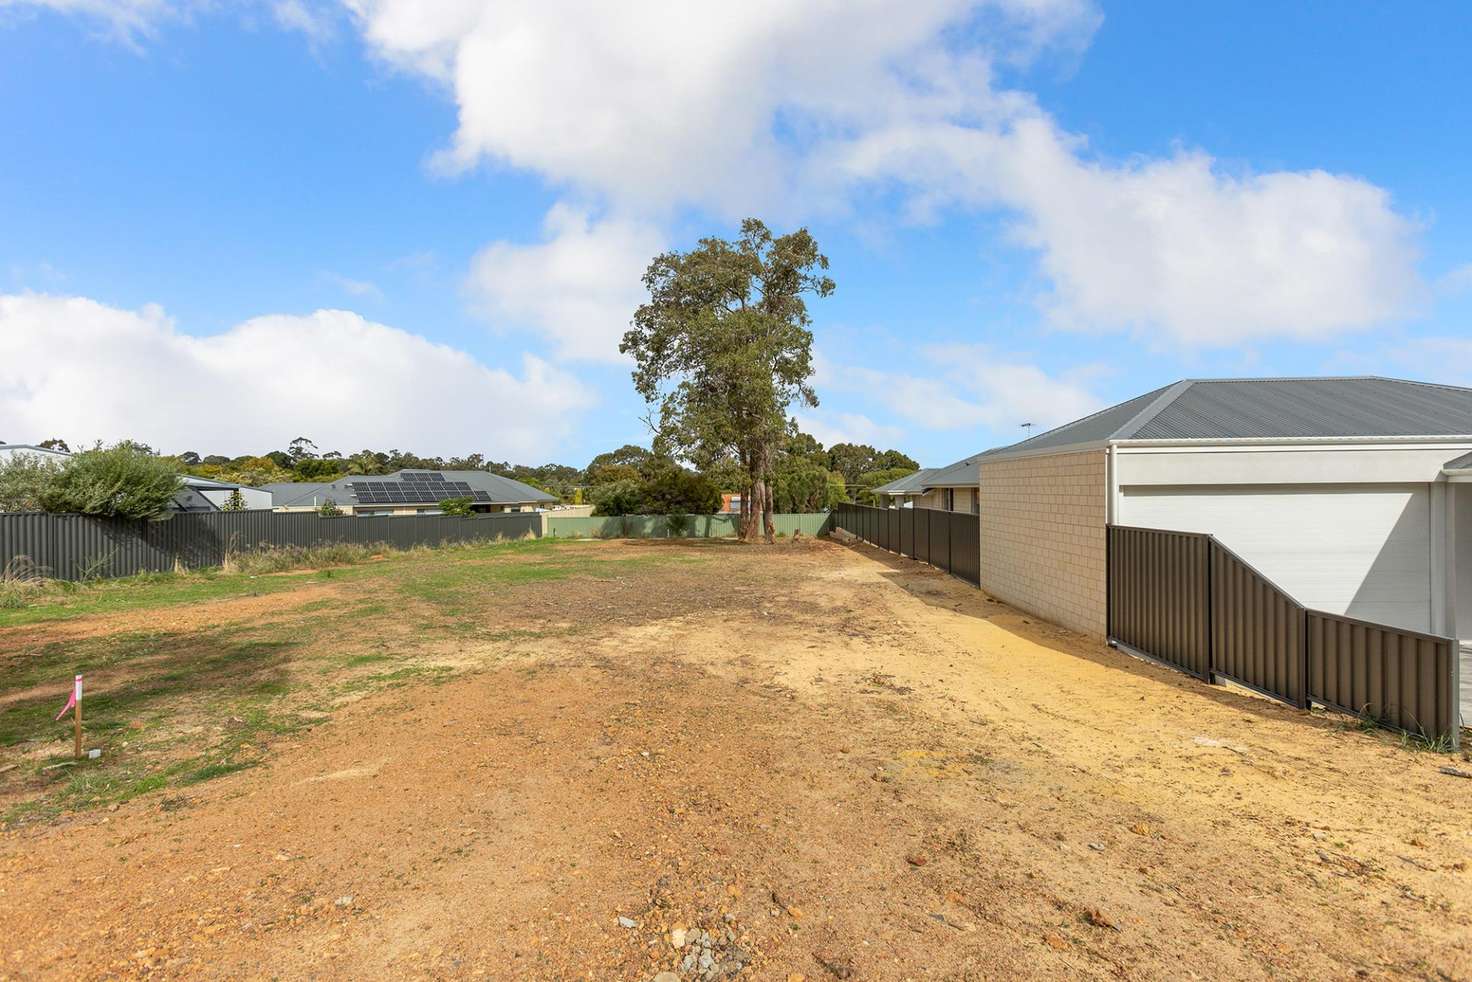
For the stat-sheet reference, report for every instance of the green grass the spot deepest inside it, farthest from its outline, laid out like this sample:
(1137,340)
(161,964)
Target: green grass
(183,707)
(57,600)
(139,592)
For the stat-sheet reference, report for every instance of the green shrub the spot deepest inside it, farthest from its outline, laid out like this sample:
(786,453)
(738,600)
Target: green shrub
(457,506)
(671,490)
(623,497)
(24,478)
(124,481)
(329,509)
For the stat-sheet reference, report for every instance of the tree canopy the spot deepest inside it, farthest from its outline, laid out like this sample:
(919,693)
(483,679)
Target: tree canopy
(723,349)
(854,460)
(122,481)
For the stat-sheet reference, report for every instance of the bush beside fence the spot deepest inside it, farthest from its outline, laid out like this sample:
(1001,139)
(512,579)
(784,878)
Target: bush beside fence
(79,547)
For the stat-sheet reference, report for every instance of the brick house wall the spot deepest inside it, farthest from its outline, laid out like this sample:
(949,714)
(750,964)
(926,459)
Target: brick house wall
(1043,536)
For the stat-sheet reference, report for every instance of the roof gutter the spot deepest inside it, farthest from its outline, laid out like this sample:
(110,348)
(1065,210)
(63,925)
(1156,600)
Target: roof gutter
(1293,441)
(1264,441)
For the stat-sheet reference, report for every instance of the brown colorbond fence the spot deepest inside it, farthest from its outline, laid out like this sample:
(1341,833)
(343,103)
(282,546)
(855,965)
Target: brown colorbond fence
(1159,596)
(1185,599)
(1257,630)
(1402,678)
(948,540)
(76,547)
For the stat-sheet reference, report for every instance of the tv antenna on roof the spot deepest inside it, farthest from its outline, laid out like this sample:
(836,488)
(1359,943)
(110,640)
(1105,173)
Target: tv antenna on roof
(1027,428)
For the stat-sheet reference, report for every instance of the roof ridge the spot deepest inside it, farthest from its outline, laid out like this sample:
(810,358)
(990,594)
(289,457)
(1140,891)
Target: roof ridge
(1157,405)
(1333,378)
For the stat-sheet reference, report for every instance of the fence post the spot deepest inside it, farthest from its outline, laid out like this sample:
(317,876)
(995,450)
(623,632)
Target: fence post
(1211,678)
(1304,700)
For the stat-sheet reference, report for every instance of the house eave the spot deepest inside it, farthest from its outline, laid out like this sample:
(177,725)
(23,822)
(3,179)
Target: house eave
(1428,441)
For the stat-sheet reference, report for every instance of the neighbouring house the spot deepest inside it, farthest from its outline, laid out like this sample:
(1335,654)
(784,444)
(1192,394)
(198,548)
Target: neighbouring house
(903,492)
(215,495)
(411,493)
(953,487)
(197,494)
(8,450)
(1354,495)
(950,488)
(730,503)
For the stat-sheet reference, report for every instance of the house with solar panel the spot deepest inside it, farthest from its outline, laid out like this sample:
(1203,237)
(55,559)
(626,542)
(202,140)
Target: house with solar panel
(411,493)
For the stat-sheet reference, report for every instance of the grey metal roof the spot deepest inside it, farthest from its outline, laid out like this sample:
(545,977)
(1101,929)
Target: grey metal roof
(210,483)
(1270,408)
(502,490)
(964,473)
(909,484)
(32,446)
(289,492)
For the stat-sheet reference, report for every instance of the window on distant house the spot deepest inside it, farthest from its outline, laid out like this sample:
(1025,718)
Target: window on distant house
(950,499)
(976,502)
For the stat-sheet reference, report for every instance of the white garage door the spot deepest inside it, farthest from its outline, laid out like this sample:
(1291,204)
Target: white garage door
(1358,550)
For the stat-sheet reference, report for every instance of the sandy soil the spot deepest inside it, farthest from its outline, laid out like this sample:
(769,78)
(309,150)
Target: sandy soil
(837,763)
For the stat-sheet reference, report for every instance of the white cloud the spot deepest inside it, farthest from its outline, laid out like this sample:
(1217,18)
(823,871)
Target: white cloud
(363,289)
(579,287)
(658,104)
(1446,360)
(799,110)
(1456,281)
(315,21)
(134,21)
(829,428)
(346,382)
(1172,246)
(123,20)
(792,110)
(972,387)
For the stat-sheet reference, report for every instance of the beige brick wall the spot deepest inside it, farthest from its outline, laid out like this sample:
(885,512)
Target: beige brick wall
(1042,536)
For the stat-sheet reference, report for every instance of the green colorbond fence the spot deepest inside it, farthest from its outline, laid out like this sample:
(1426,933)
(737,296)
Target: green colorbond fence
(658,526)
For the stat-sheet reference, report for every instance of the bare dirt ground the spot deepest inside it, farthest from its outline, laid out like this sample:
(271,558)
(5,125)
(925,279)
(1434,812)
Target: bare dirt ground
(806,762)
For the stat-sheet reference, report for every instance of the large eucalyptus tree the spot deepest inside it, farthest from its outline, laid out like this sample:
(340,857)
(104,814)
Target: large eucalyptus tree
(723,350)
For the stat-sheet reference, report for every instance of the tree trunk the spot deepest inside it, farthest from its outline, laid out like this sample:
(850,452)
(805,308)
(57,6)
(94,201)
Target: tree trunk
(769,526)
(758,525)
(753,530)
(748,495)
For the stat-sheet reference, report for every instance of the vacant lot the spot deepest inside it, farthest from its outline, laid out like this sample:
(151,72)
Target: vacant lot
(825,762)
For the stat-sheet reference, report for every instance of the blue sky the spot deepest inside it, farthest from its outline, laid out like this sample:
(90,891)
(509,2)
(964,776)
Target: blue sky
(380,223)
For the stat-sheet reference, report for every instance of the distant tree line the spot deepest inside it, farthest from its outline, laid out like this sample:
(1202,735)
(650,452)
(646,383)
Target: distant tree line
(130,479)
